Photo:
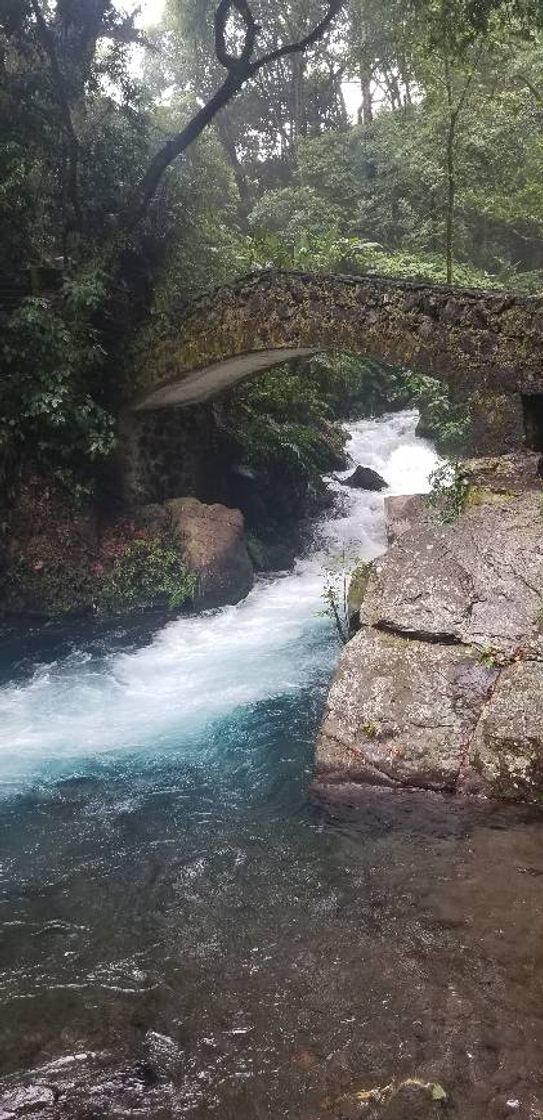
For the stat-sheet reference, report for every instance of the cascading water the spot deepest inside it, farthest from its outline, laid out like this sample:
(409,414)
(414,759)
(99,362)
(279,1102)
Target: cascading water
(184,934)
(204,668)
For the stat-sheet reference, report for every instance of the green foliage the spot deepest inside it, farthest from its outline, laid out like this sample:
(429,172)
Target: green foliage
(370,730)
(149,573)
(293,213)
(48,362)
(281,425)
(442,420)
(310,250)
(449,491)
(198,244)
(298,227)
(53,589)
(352,386)
(490,657)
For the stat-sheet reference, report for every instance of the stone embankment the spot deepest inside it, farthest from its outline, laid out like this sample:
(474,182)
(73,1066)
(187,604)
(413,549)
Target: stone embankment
(442,686)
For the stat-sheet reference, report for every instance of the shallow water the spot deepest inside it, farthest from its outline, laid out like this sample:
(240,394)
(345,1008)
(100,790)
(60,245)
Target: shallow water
(186,933)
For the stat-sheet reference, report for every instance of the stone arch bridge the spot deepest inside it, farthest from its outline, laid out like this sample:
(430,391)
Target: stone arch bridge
(488,345)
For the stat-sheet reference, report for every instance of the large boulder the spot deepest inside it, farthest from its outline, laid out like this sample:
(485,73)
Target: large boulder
(401,712)
(506,474)
(478,580)
(442,687)
(506,753)
(214,548)
(365,478)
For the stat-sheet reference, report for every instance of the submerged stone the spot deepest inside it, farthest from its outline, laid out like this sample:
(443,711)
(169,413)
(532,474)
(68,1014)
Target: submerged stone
(365,478)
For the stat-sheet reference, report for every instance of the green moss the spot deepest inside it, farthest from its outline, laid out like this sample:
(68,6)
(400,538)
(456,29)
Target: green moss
(137,575)
(483,495)
(490,657)
(53,589)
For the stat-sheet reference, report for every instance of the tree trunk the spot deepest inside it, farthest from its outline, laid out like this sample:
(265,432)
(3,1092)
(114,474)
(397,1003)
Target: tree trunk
(367,99)
(451,195)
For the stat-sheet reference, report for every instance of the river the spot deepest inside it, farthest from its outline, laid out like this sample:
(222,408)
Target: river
(186,932)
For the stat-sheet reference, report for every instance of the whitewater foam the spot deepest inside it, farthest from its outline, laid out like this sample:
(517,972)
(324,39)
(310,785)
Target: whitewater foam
(199,669)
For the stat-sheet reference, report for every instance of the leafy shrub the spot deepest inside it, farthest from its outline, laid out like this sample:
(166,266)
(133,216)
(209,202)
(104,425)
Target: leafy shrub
(449,491)
(149,573)
(48,362)
(280,425)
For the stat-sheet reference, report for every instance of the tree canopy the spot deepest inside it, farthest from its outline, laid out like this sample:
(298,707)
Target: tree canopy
(401,138)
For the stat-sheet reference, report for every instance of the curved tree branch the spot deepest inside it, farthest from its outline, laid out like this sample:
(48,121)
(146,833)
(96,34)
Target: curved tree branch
(224,9)
(239,69)
(334,7)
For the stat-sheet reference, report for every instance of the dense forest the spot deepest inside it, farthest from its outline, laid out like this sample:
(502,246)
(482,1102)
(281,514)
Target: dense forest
(138,169)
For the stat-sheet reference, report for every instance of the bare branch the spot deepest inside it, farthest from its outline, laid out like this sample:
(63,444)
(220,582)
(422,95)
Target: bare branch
(334,7)
(224,9)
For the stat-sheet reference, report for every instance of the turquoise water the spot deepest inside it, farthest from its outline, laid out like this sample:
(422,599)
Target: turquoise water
(187,931)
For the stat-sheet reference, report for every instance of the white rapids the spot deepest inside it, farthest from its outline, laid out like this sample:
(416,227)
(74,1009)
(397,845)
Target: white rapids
(196,670)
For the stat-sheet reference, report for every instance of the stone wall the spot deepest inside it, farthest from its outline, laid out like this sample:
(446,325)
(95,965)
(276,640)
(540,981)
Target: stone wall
(167,453)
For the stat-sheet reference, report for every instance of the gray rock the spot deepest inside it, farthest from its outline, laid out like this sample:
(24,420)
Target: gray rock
(478,580)
(507,749)
(401,712)
(364,478)
(404,512)
(513,474)
(358,585)
(26,1101)
(442,688)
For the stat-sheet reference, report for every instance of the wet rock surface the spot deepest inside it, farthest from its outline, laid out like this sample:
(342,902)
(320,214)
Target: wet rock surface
(365,478)
(402,513)
(477,580)
(442,688)
(401,712)
(513,474)
(214,547)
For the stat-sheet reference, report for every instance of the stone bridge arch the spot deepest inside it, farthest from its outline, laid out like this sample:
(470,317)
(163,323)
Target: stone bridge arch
(488,345)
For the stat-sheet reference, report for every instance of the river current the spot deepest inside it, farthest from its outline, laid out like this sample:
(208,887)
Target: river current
(186,931)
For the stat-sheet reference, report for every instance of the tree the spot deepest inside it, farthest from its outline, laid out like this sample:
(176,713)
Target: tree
(240,64)
(290,98)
